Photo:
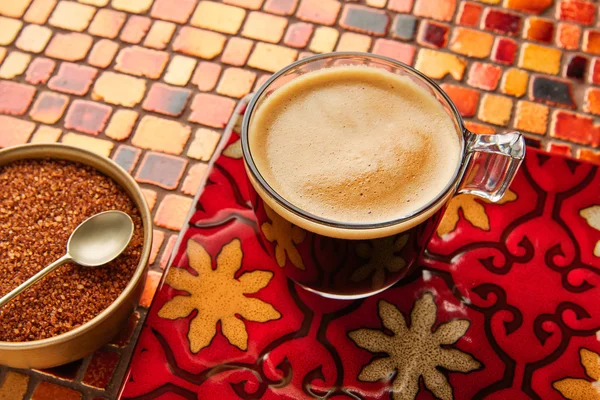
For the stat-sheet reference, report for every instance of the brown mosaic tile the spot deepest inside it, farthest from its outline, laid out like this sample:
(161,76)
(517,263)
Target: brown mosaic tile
(101,368)
(540,58)
(135,29)
(236,82)
(579,11)
(297,35)
(281,7)
(193,180)
(350,41)
(514,82)
(15,98)
(576,67)
(531,117)
(139,61)
(324,40)
(161,170)
(591,41)
(39,70)
(206,76)
(539,29)
(14,386)
(180,70)
(132,6)
(469,13)
(73,79)
(87,116)
(433,34)
(15,63)
(95,145)
(568,36)
(484,76)
(14,9)
(150,196)
(440,10)
(160,35)
(46,134)
(471,42)
(71,16)
(179,12)
(107,23)
(465,99)
(211,110)
(218,17)
(14,131)
(271,57)
(103,53)
(199,42)
(66,372)
(436,64)
(49,107)
(69,46)
(34,38)
(39,11)
(160,134)
(172,212)
(124,336)
(495,109)
(121,124)
(165,99)
(9,29)
(158,238)
(119,89)
(265,27)
(323,12)
(204,144)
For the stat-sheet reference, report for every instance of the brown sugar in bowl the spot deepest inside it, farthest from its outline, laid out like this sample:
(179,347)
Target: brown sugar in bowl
(96,332)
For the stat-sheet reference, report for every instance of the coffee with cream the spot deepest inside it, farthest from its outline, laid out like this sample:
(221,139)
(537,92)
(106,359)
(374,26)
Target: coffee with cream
(354,144)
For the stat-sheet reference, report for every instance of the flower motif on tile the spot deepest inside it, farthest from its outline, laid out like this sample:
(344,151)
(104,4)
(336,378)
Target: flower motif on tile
(286,236)
(217,295)
(473,211)
(582,389)
(592,216)
(414,351)
(382,255)
(234,150)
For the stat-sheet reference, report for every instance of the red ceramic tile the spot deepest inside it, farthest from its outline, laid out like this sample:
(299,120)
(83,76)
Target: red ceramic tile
(135,29)
(87,116)
(152,281)
(594,75)
(49,107)
(589,155)
(539,29)
(442,10)
(592,101)
(402,52)
(505,50)
(503,22)
(568,36)
(465,99)
(298,35)
(581,11)
(73,79)
(124,336)
(50,391)
(484,76)
(14,131)
(39,70)
(173,10)
(206,76)
(469,13)
(161,170)
(559,148)
(211,110)
(15,97)
(591,41)
(573,127)
(165,99)
(100,370)
(433,34)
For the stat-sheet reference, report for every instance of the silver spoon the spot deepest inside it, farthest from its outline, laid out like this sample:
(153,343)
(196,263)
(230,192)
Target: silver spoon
(96,241)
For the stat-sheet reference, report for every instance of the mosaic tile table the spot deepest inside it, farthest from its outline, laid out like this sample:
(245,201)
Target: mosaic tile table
(151,84)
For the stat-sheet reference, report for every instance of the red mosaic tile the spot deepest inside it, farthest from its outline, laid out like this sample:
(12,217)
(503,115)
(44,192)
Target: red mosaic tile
(580,11)
(594,76)
(124,336)
(539,29)
(574,127)
(469,13)
(297,35)
(67,372)
(576,67)
(14,131)
(161,170)
(402,52)
(40,70)
(100,370)
(179,12)
(139,61)
(589,155)
(591,41)
(433,34)
(127,157)
(559,148)
(69,46)
(160,134)
(206,76)
(502,22)
(39,11)
(87,116)
(172,212)
(364,19)
(73,79)
(281,7)
(135,29)
(50,391)
(323,12)
(401,6)
(193,180)
(49,107)
(15,97)
(441,10)
(505,50)
(158,238)
(568,36)
(165,99)
(211,110)
(592,101)
(557,92)
(484,76)
(465,99)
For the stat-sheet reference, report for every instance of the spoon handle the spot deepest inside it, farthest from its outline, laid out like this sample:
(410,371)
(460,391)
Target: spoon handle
(16,291)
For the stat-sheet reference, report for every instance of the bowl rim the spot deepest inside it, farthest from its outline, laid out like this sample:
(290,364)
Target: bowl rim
(58,151)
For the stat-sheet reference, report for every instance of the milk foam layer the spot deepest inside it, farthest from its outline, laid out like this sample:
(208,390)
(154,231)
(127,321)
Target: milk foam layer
(354,144)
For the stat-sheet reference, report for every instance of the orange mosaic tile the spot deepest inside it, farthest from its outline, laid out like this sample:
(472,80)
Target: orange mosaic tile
(540,58)
(14,9)
(15,64)
(271,57)
(206,76)
(46,134)
(495,109)
(199,43)
(121,124)
(164,260)
(160,35)
(281,7)
(180,70)
(568,36)
(589,155)
(107,23)
(465,99)
(172,211)
(218,17)
(469,13)
(152,281)
(71,16)
(297,35)
(324,40)
(265,27)
(98,146)
(150,195)
(211,110)
(160,134)
(440,10)
(539,29)
(69,46)
(39,11)
(126,157)
(236,51)
(350,41)
(157,238)
(132,6)
(51,391)
(180,13)
(33,38)
(514,82)
(471,42)
(204,144)
(592,101)
(531,117)
(583,12)
(14,386)
(323,12)
(15,98)
(574,127)
(14,131)
(236,82)
(135,29)
(591,41)
(193,180)
(484,76)
(9,29)
(119,89)
(103,53)
(39,71)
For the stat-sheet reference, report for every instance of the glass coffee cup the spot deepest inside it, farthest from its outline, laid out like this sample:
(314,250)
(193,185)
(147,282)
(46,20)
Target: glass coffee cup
(349,260)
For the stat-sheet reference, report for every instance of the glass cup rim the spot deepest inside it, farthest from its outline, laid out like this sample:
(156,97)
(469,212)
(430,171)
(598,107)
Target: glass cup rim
(253,170)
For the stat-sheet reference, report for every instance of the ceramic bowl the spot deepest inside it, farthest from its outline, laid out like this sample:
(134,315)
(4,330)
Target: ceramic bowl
(92,335)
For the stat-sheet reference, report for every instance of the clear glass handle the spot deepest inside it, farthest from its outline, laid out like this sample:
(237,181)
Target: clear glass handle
(491,164)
